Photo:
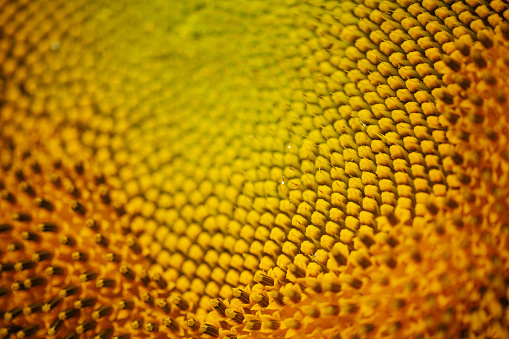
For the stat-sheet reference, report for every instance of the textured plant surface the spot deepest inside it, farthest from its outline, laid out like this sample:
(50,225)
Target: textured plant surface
(253,169)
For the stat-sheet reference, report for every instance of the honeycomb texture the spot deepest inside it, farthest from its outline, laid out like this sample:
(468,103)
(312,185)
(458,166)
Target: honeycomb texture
(253,169)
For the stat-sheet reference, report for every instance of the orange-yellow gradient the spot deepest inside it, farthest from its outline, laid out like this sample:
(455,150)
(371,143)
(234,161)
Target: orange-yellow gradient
(254,169)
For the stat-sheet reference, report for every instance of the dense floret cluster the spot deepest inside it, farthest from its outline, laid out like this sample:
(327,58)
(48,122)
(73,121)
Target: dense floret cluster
(254,168)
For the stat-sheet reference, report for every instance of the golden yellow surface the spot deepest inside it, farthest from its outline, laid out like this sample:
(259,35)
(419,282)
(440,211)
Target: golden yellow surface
(253,169)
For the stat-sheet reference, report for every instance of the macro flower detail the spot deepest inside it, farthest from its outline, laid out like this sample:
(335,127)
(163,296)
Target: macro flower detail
(70,258)
(252,169)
